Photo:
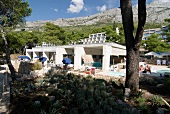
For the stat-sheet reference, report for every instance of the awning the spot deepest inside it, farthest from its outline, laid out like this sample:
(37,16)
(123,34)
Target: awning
(117,52)
(42,59)
(165,54)
(24,57)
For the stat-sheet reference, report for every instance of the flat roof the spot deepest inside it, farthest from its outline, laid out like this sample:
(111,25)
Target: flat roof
(115,45)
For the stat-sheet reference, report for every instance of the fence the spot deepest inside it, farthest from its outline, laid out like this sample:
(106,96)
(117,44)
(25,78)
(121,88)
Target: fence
(3,83)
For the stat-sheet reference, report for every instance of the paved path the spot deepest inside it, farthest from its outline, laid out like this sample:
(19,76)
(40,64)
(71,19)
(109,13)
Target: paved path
(5,97)
(159,67)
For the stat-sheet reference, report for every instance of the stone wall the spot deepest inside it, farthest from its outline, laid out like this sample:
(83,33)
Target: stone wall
(25,68)
(22,67)
(15,64)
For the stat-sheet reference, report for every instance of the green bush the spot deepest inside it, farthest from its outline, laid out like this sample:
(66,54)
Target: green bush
(156,100)
(167,84)
(37,66)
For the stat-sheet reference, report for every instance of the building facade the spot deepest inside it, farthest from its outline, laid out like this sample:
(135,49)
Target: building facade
(158,31)
(94,49)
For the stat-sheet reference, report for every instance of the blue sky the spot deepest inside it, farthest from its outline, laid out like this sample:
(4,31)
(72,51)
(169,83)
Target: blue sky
(54,9)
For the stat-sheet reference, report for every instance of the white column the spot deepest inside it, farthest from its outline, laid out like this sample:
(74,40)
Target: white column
(34,55)
(78,51)
(28,53)
(58,56)
(106,57)
(44,55)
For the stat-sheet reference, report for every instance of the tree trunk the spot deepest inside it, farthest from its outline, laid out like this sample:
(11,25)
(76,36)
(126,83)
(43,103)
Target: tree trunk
(132,43)
(8,59)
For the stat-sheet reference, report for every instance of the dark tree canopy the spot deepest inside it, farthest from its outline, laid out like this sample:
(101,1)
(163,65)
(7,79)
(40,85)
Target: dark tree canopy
(12,12)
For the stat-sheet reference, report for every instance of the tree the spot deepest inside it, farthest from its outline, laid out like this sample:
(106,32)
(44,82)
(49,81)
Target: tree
(132,42)
(18,40)
(156,44)
(11,13)
(53,34)
(113,36)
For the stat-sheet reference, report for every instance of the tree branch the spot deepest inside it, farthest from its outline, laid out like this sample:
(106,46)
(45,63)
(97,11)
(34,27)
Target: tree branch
(141,22)
(2,3)
(127,18)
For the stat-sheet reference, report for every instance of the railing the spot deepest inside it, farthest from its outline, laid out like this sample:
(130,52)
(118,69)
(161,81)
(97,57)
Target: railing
(3,84)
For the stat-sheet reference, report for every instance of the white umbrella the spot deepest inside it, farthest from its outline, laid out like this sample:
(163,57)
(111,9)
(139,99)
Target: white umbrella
(165,54)
(152,54)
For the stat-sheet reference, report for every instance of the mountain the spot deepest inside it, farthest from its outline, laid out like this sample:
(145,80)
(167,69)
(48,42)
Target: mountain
(157,11)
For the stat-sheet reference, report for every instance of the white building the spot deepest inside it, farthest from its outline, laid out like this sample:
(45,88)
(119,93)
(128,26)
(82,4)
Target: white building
(158,31)
(93,50)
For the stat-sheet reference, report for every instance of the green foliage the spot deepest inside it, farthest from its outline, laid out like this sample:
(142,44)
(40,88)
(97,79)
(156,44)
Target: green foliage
(112,36)
(167,84)
(80,32)
(17,40)
(153,25)
(141,100)
(143,108)
(37,104)
(156,100)
(167,20)
(37,66)
(13,12)
(154,43)
(86,95)
(59,36)
(53,34)
(76,95)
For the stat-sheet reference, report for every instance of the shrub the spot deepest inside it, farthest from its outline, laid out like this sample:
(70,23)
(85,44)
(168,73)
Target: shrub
(156,100)
(167,84)
(37,66)
(141,101)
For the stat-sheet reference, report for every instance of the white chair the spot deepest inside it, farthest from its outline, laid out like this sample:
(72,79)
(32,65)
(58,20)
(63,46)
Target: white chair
(158,62)
(163,62)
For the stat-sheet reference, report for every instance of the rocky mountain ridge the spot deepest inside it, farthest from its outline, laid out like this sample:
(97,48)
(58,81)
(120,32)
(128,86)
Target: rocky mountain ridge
(156,13)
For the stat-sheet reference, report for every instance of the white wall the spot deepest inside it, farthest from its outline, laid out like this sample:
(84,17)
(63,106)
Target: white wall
(107,50)
(78,52)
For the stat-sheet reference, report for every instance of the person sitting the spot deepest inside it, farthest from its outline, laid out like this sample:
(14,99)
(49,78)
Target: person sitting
(141,69)
(147,69)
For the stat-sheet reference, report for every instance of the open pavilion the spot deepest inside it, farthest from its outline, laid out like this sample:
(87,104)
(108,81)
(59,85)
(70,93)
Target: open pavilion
(81,53)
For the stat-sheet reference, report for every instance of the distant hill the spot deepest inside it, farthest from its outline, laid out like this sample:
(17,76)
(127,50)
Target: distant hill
(157,11)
